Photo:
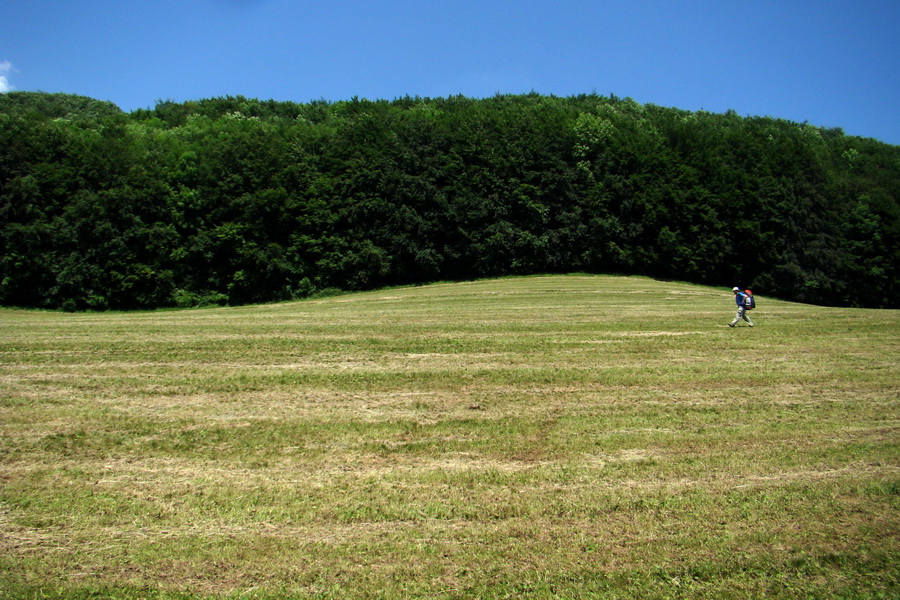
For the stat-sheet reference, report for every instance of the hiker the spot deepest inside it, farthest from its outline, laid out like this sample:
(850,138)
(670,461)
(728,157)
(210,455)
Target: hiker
(739,298)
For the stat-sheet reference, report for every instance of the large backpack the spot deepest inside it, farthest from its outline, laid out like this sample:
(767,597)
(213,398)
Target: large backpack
(749,300)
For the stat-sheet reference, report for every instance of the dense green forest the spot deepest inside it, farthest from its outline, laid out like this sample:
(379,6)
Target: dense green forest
(235,200)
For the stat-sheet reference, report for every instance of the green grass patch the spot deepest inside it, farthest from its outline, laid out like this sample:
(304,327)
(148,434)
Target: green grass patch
(547,437)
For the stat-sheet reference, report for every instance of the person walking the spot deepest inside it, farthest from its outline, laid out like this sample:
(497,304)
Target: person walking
(741,308)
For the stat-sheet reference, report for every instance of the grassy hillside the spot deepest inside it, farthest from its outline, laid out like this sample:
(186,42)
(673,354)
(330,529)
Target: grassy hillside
(545,437)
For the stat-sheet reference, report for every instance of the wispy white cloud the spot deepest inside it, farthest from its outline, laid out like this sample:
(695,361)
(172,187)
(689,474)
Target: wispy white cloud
(5,68)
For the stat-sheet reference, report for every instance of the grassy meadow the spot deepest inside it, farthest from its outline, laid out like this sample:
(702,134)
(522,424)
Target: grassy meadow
(545,437)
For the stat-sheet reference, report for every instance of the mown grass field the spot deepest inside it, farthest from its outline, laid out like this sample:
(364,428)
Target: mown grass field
(548,437)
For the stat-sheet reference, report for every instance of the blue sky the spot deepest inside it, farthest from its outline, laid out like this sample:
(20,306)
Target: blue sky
(827,62)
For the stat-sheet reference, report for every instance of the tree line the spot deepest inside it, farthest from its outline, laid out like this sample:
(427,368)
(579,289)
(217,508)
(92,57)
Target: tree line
(235,200)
